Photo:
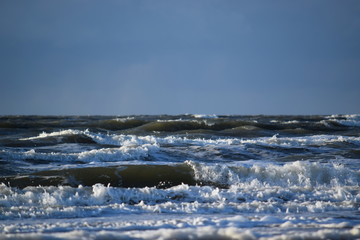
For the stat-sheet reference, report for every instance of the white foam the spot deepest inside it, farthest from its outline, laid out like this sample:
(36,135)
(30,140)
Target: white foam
(183,211)
(275,140)
(53,134)
(158,226)
(126,152)
(205,116)
(352,120)
(124,119)
(285,122)
(132,147)
(109,139)
(175,120)
(318,140)
(119,140)
(299,173)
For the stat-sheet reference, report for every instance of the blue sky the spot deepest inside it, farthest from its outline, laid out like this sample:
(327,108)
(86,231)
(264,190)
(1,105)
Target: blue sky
(120,57)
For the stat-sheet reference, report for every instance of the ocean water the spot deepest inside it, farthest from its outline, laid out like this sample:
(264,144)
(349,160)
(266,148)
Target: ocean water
(180,177)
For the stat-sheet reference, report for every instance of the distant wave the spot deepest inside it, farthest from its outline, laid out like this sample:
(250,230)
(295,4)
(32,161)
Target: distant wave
(233,125)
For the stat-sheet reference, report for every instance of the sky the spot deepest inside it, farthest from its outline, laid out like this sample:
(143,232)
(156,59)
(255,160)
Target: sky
(122,57)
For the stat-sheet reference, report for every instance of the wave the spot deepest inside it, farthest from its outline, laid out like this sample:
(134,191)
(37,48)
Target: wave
(160,176)
(258,125)
(292,188)
(123,153)
(249,173)
(84,146)
(139,176)
(127,140)
(299,173)
(100,138)
(352,120)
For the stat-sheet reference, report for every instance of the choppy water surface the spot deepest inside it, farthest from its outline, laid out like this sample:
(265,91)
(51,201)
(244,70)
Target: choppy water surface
(180,177)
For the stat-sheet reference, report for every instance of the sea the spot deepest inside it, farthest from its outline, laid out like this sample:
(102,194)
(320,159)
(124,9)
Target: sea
(187,176)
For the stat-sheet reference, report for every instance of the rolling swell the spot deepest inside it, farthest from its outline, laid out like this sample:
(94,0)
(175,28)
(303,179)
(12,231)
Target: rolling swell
(224,125)
(160,176)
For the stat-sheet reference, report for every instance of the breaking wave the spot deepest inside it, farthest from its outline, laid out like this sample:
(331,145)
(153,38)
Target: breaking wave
(296,187)
(300,173)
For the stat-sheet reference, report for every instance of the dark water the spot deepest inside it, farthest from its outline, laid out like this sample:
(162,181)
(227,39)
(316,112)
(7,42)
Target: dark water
(184,176)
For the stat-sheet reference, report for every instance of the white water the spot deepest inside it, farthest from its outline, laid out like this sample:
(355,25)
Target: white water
(277,187)
(167,226)
(132,147)
(248,210)
(253,188)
